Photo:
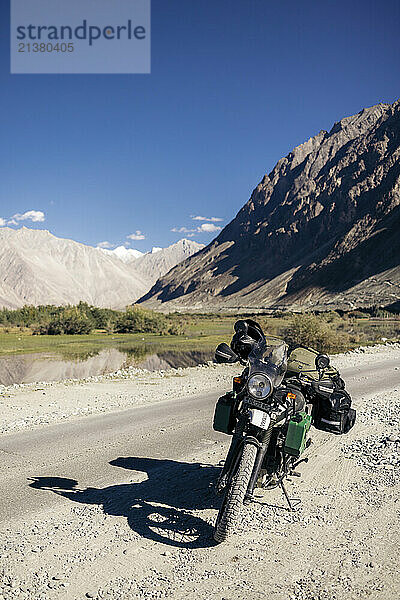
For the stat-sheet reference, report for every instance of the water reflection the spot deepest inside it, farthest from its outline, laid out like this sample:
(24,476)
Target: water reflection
(31,368)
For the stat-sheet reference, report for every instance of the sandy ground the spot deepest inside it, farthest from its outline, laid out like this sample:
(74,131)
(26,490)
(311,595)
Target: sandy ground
(150,536)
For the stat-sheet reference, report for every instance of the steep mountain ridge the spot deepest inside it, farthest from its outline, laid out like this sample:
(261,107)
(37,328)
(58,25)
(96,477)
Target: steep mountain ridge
(322,229)
(38,268)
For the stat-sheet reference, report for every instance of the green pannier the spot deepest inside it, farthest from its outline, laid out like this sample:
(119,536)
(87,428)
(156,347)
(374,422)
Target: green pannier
(224,415)
(302,360)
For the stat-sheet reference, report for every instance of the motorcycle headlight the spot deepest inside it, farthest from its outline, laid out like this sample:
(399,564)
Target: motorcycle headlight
(259,386)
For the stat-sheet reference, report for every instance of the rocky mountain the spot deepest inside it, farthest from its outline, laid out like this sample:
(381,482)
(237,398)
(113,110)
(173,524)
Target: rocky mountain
(38,268)
(161,260)
(321,230)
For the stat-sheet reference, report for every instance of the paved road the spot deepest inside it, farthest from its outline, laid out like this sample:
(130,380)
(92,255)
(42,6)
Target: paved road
(82,449)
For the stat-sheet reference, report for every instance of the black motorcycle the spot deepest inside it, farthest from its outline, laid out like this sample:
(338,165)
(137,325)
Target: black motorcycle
(269,414)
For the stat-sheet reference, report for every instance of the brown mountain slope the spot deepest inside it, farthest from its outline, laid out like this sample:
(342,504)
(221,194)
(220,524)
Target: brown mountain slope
(323,228)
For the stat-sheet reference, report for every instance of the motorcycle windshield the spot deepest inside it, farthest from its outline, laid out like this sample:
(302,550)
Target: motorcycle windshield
(269,358)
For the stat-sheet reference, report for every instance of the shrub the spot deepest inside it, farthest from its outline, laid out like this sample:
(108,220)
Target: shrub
(70,322)
(100,317)
(55,327)
(177,328)
(309,330)
(75,322)
(139,320)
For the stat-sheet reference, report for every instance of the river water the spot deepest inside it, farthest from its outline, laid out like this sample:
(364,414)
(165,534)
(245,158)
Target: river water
(31,368)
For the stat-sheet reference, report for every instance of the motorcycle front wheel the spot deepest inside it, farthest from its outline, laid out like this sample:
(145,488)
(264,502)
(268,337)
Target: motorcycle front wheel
(232,504)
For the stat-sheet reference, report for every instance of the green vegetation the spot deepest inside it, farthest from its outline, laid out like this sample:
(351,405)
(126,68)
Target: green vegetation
(70,321)
(139,320)
(315,332)
(83,319)
(83,330)
(55,320)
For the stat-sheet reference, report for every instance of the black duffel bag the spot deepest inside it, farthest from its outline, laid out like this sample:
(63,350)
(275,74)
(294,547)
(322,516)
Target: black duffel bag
(333,413)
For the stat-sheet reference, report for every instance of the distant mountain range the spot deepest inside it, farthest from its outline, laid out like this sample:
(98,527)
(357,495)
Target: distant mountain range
(322,230)
(38,268)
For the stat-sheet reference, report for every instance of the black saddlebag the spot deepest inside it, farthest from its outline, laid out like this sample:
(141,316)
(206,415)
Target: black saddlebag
(224,415)
(333,412)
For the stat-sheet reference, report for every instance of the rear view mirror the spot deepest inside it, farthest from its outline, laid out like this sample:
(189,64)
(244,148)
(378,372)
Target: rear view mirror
(224,354)
(322,362)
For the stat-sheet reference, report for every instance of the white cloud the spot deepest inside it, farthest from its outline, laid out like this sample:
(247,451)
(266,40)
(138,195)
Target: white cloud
(105,245)
(183,230)
(138,235)
(210,219)
(203,228)
(209,228)
(36,216)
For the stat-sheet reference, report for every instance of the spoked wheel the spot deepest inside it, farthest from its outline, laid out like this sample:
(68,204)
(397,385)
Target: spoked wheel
(229,513)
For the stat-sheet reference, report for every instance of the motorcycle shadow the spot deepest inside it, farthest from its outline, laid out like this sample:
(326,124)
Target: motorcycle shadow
(161,508)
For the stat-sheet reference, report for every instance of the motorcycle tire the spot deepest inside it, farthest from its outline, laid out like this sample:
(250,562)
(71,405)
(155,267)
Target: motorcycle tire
(232,504)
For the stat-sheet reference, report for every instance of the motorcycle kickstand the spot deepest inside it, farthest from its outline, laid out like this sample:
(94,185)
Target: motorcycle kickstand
(292,506)
(302,460)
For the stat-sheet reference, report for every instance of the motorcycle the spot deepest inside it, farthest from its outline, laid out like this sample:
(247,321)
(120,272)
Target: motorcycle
(269,418)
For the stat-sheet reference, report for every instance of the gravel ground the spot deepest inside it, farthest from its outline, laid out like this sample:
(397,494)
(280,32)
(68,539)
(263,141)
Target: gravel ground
(151,537)
(26,406)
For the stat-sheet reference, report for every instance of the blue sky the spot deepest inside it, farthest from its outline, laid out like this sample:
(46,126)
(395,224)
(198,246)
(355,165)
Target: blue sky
(235,85)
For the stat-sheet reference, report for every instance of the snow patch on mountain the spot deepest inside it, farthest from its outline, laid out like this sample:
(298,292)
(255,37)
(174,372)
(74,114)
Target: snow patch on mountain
(124,254)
